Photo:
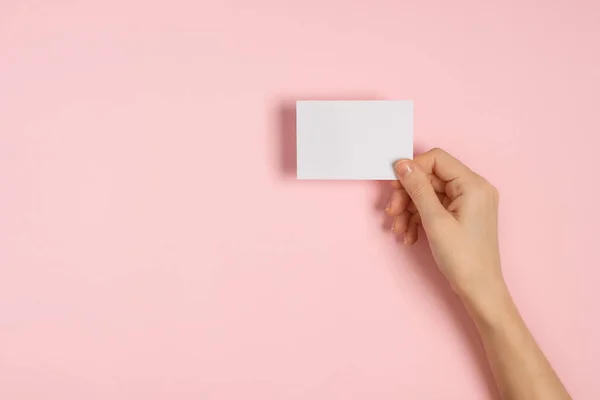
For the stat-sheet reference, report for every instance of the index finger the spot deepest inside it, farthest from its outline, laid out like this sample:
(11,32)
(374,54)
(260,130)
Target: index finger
(443,165)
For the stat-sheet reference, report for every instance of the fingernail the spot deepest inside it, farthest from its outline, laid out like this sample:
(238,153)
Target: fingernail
(404,167)
(387,208)
(394,225)
(405,240)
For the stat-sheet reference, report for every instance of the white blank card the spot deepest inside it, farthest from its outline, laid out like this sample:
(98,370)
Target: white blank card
(352,139)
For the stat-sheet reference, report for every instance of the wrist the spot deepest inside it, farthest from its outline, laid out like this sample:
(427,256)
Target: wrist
(490,305)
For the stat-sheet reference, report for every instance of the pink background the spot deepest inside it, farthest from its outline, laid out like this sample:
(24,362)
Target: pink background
(154,243)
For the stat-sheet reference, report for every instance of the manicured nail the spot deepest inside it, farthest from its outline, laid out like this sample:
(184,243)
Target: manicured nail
(404,167)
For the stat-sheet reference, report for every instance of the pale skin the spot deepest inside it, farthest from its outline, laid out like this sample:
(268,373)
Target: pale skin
(458,211)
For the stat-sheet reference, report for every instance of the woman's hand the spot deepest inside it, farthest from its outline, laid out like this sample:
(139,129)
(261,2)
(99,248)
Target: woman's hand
(458,210)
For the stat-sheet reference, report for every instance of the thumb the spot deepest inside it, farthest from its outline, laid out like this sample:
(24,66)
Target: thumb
(418,186)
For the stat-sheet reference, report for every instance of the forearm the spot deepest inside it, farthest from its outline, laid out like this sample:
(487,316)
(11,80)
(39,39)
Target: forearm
(520,368)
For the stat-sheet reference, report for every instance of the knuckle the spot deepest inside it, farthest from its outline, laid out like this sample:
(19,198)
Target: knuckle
(484,189)
(481,184)
(437,151)
(455,188)
(495,192)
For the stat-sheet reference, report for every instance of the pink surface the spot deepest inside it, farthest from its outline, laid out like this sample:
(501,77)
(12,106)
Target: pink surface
(154,243)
